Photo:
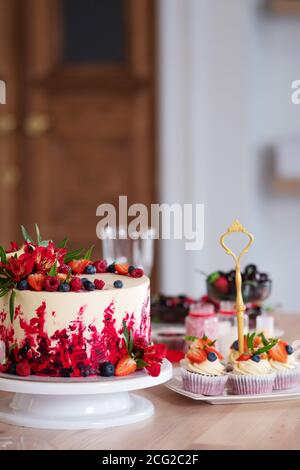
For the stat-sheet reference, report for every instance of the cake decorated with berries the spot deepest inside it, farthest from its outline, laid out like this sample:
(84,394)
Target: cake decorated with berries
(64,315)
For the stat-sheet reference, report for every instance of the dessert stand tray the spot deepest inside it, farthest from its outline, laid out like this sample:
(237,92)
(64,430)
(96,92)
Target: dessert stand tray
(175,384)
(76,403)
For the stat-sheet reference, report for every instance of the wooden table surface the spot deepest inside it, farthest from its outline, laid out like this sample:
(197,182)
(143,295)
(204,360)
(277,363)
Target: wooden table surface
(181,423)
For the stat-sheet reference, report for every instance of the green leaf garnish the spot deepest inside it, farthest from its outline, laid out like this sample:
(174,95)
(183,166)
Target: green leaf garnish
(267,347)
(263,338)
(125,333)
(26,235)
(140,363)
(250,341)
(190,338)
(3,292)
(89,252)
(2,255)
(38,235)
(53,270)
(12,305)
(131,343)
(63,243)
(213,277)
(75,254)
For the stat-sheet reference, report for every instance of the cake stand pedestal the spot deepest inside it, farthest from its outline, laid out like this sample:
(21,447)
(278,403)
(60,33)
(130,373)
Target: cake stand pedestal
(71,403)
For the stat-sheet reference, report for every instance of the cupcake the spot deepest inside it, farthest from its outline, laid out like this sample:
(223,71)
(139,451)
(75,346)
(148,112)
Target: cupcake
(252,373)
(284,363)
(201,369)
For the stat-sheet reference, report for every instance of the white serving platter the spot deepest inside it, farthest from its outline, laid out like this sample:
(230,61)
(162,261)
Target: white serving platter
(175,384)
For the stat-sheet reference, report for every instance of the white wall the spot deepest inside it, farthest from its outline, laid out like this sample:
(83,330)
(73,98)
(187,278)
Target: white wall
(225,74)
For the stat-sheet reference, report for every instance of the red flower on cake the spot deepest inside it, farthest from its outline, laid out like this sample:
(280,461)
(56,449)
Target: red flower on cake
(20,267)
(44,258)
(153,356)
(60,255)
(13,247)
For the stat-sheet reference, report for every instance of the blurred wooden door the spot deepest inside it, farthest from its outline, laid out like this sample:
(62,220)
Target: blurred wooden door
(86,132)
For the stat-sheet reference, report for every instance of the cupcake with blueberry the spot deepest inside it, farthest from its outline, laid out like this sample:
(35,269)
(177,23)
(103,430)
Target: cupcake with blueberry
(201,369)
(252,373)
(283,361)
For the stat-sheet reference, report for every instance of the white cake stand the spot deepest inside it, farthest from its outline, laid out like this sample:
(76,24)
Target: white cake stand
(71,403)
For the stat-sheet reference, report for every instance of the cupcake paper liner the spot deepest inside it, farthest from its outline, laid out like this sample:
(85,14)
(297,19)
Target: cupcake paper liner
(287,379)
(251,384)
(203,384)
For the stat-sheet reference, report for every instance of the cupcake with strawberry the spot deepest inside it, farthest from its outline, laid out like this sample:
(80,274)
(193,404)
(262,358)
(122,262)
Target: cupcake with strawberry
(252,373)
(283,361)
(201,369)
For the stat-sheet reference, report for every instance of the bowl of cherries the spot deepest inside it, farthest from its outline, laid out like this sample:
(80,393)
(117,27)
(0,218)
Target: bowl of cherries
(256,286)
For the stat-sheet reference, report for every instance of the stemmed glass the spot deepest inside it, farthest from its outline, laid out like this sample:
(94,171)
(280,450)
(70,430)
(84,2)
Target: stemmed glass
(136,248)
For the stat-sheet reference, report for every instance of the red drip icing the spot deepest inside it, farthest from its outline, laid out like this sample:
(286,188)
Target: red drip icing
(73,351)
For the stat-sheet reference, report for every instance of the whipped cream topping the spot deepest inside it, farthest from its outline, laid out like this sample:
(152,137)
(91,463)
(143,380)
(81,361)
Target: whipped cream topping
(233,355)
(204,368)
(252,368)
(291,363)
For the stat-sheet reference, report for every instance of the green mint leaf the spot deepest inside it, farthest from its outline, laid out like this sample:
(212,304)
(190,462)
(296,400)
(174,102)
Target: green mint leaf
(268,346)
(26,235)
(250,341)
(89,252)
(2,255)
(63,243)
(264,339)
(38,235)
(12,305)
(53,270)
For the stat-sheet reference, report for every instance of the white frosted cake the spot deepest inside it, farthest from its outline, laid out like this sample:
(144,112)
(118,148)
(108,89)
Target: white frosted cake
(58,321)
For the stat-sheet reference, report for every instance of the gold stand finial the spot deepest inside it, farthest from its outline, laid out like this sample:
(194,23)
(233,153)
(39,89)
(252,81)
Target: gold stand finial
(236,226)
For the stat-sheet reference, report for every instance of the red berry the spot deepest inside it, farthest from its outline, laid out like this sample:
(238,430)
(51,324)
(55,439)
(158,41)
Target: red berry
(99,284)
(23,369)
(76,284)
(221,284)
(51,283)
(64,268)
(137,272)
(101,266)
